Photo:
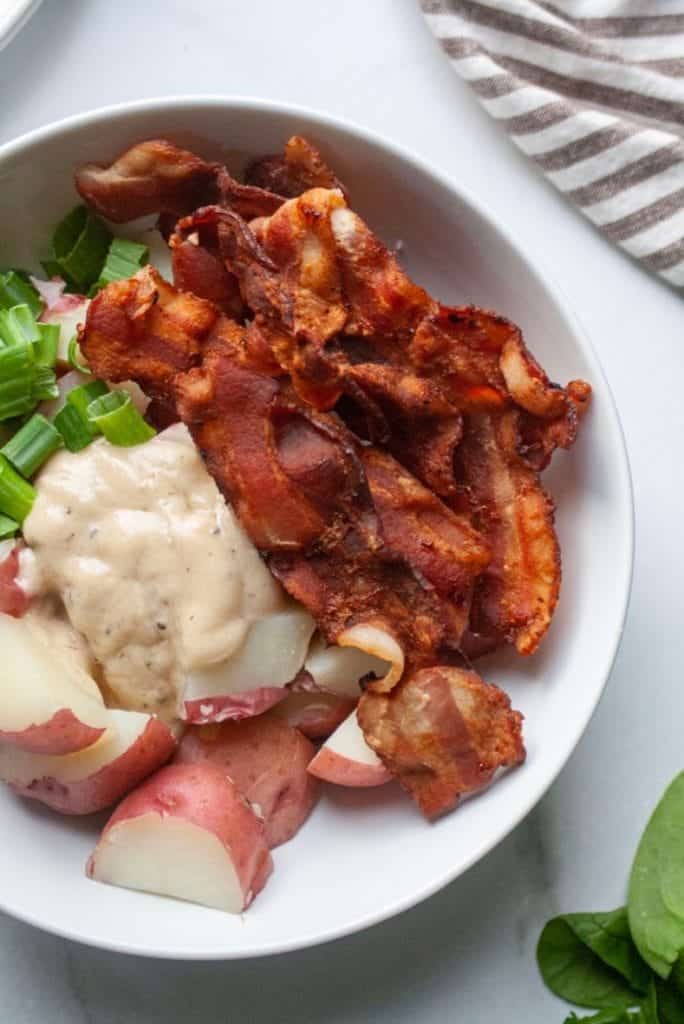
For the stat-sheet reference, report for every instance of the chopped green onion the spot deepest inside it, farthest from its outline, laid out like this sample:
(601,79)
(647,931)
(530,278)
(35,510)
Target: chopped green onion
(75,358)
(16,494)
(73,428)
(44,384)
(15,290)
(8,527)
(32,445)
(81,397)
(123,260)
(79,248)
(17,325)
(119,420)
(17,380)
(45,349)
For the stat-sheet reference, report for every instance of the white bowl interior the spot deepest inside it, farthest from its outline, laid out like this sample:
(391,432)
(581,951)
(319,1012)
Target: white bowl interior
(366,854)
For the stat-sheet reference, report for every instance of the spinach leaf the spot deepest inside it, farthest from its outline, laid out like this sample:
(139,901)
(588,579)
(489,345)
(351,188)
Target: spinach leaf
(602,1017)
(656,886)
(608,936)
(587,959)
(648,1011)
(671,995)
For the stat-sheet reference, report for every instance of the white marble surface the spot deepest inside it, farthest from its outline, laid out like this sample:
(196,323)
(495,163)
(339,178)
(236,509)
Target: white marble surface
(468,953)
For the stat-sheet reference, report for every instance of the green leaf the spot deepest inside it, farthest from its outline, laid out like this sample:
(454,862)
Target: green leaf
(586,959)
(656,885)
(648,1011)
(671,995)
(608,936)
(602,1017)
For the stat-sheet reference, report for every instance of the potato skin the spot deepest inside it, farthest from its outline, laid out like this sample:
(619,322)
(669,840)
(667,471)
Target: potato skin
(203,795)
(316,714)
(267,760)
(96,792)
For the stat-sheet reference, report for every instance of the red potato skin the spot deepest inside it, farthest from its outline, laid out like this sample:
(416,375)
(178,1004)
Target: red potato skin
(343,771)
(203,795)
(152,748)
(62,734)
(13,600)
(267,760)
(233,708)
(317,715)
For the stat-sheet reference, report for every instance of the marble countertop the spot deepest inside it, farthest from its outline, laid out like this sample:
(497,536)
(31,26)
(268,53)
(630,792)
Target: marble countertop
(467,954)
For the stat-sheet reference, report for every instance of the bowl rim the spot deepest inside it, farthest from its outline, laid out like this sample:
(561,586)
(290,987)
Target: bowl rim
(227,103)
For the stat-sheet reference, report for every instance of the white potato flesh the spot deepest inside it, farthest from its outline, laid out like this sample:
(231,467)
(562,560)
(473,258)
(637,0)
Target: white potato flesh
(21,768)
(339,669)
(377,643)
(346,759)
(272,654)
(49,705)
(170,857)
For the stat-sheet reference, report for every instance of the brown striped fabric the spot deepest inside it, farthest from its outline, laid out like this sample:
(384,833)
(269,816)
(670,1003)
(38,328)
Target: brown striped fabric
(596,101)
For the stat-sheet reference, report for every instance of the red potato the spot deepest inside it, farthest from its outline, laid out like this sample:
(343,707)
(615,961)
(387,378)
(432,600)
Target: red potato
(346,759)
(66,310)
(133,746)
(186,833)
(254,678)
(317,715)
(13,600)
(48,706)
(267,761)
(232,708)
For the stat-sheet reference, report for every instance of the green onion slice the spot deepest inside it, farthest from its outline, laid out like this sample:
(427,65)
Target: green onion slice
(18,325)
(32,445)
(17,380)
(79,248)
(15,290)
(47,346)
(8,527)
(76,433)
(16,494)
(45,385)
(75,358)
(119,420)
(81,397)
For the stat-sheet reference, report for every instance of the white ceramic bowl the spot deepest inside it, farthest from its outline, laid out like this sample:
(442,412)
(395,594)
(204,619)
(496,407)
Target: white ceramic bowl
(363,855)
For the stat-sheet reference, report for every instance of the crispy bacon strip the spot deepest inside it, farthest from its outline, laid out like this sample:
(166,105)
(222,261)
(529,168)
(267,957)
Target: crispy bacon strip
(517,593)
(300,168)
(444,733)
(285,476)
(145,330)
(151,177)
(198,267)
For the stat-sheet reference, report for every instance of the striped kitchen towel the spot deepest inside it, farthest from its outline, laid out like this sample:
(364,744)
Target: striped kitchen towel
(593,92)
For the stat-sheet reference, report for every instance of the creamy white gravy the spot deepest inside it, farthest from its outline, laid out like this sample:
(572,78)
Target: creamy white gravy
(152,567)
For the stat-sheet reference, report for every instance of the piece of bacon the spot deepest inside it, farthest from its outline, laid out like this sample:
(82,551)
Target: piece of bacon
(151,177)
(517,592)
(300,168)
(144,329)
(198,268)
(444,733)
